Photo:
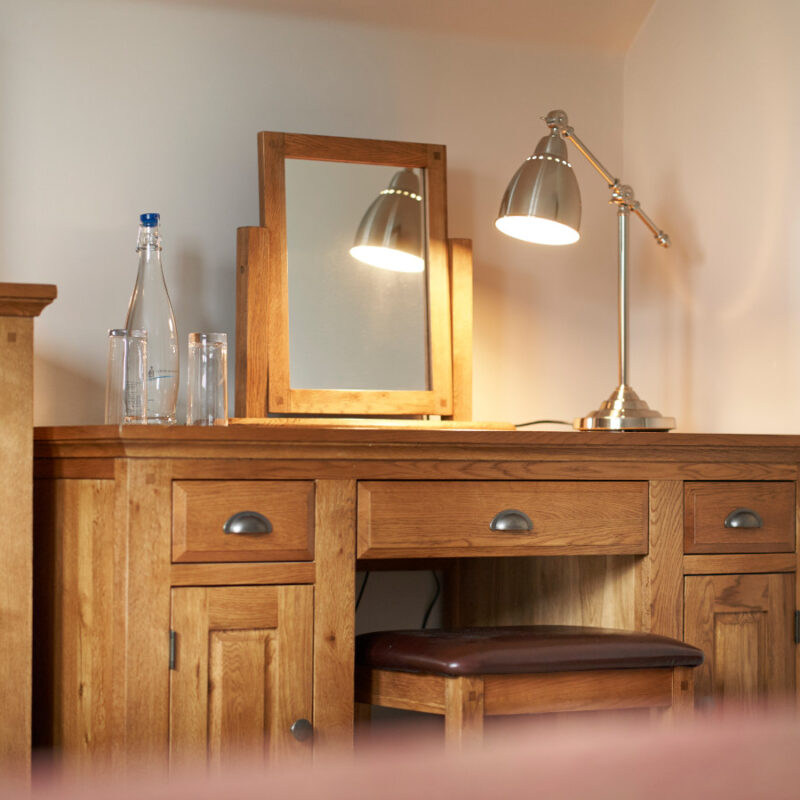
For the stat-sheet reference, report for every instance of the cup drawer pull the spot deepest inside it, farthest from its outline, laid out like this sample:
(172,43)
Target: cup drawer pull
(743,518)
(510,519)
(248,523)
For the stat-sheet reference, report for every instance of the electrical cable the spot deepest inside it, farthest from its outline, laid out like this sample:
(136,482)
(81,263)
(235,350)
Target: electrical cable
(433,601)
(543,422)
(361,590)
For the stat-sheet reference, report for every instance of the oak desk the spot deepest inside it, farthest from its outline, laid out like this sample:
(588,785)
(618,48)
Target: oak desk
(163,638)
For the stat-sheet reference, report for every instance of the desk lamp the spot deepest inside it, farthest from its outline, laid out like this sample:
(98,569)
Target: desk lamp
(542,204)
(390,233)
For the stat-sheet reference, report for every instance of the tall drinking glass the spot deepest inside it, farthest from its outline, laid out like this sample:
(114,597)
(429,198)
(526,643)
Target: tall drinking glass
(207,402)
(126,384)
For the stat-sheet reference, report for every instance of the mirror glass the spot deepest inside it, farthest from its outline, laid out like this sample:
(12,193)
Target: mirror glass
(351,325)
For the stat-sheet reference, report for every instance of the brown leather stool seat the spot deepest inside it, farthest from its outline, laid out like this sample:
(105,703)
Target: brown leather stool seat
(467,673)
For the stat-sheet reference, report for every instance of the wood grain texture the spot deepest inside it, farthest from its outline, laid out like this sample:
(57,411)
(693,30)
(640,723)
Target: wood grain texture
(358,151)
(273,315)
(334,613)
(743,624)
(241,574)
(78,710)
(589,690)
(597,454)
(707,505)
(97,468)
(631,589)
(460,255)
(375,422)
(200,510)
(662,598)
(404,690)
(551,590)
(242,674)
(682,707)
(465,701)
(188,695)
(16,493)
(142,553)
(463,712)
(764,562)
(19,303)
(25,299)
(443,518)
(252,288)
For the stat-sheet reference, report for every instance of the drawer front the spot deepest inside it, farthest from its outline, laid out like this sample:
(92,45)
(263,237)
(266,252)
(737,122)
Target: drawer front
(201,510)
(739,517)
(426,519)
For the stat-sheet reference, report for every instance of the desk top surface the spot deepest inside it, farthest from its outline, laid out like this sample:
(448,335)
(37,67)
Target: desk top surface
(286,441)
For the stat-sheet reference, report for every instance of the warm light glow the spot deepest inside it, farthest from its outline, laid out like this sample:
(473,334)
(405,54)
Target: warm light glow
(387,258)
(537,230)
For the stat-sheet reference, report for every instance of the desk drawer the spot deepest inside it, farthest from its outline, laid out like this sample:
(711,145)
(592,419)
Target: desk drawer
(426,519)
(201,510)
(739,517)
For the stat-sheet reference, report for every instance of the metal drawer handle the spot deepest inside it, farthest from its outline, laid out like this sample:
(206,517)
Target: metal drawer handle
(743,518)
(248,523)
(510,519)
(302,730)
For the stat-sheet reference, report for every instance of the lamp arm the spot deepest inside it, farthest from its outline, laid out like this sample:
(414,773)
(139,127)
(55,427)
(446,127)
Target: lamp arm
(620,194)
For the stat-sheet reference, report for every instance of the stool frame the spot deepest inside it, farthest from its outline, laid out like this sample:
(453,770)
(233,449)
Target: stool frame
(464,701)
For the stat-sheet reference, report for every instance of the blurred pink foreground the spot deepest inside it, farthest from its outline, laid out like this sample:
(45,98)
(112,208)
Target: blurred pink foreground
(731,757)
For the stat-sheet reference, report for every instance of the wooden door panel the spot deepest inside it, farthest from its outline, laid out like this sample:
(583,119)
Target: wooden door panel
(743,624)
(242,674)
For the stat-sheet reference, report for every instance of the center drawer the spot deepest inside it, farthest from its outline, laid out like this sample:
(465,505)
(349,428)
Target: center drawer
(427,519)
(242,521)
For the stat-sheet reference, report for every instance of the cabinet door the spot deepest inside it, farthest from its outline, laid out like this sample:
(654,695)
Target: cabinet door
(743,623)
(242,673)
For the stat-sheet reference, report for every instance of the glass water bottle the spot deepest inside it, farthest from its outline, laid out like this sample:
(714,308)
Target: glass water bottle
(151,310)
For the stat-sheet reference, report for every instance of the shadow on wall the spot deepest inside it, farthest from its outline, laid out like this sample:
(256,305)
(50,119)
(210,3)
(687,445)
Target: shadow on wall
(64,396)
(666,296)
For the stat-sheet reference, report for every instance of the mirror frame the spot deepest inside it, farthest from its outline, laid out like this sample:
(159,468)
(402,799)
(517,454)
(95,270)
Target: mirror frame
(263,382)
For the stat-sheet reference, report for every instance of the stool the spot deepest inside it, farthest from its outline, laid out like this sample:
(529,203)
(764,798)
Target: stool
(468,673)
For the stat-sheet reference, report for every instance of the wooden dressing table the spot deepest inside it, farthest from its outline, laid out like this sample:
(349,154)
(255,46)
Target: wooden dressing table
(161,639)
(628,531)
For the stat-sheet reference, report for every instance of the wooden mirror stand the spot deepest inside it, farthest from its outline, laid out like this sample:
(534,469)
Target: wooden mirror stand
(263,382)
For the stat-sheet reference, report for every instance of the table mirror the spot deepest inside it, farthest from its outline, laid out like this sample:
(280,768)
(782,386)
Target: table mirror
(323,327)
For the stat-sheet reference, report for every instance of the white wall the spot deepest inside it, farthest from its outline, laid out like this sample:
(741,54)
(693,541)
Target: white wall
(712,121)
(113,107)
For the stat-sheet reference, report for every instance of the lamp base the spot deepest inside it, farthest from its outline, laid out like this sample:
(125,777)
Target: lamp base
(624,411)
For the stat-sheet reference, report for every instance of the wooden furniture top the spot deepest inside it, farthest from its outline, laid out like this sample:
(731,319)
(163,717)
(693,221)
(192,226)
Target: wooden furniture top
(25,299)
(307,442)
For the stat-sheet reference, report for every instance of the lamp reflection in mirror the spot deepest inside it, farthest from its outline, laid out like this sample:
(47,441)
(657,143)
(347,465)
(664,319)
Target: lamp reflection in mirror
(542,204)
(390,233)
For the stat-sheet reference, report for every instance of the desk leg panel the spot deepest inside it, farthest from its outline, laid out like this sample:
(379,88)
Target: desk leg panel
(662,581)
(334,612)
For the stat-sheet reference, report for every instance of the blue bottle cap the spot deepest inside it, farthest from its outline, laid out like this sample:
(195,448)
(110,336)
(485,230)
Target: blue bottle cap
(149,220)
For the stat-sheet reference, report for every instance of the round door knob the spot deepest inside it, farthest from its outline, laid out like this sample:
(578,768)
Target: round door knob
(302,730)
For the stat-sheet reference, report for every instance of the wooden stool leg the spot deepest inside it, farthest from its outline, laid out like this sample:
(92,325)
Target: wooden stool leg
(682,693)
(463,712)
(362,714)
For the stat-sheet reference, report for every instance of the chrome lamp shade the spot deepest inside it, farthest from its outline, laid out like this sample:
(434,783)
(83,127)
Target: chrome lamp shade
(542,203)
(390,233)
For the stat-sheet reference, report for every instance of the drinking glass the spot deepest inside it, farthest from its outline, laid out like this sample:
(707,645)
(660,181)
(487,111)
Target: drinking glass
(207,402)
(126,384)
